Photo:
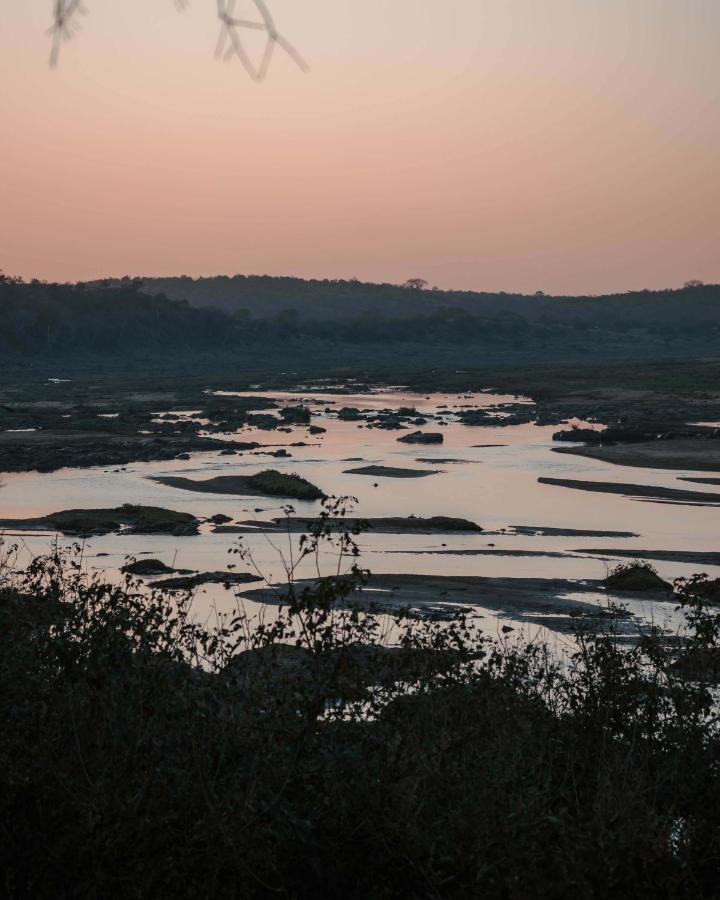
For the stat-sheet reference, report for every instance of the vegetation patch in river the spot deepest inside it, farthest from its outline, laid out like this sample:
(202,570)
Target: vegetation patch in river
(385,525)
(126,519)
(268,483)
(636,576)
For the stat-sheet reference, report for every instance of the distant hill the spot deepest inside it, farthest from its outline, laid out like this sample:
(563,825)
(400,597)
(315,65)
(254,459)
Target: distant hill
(263,296)
(263,324)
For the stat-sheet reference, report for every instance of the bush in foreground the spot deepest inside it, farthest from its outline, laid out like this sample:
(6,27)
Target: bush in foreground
(143,754)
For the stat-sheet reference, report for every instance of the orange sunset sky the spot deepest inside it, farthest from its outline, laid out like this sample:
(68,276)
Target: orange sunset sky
(521,145)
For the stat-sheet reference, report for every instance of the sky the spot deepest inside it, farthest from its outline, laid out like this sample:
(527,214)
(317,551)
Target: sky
(569,146)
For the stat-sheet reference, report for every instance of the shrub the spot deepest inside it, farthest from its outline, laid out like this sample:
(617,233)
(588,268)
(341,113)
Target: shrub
(143,753)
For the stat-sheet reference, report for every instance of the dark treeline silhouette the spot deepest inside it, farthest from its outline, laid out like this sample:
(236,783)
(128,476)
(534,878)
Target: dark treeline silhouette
(128,317)
(264,295)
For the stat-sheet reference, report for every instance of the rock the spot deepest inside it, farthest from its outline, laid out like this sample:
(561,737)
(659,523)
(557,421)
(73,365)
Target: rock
(188,582)
(317,429)
(474,417)
(220,518)
(263,421)
(349,414)
(149,567)
(295,415)
(422,437)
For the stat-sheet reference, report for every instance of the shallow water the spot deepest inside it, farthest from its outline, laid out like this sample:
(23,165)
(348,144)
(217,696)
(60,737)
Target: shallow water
(495,486)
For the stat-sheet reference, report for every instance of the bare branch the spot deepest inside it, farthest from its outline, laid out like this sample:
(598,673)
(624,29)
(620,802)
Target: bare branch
(230,41)
(231,38)
(65,24)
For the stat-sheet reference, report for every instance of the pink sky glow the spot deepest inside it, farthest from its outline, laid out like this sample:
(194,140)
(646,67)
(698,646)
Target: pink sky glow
(571,146)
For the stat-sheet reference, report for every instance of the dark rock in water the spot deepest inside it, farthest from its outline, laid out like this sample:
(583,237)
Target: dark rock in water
(183,456)
(280,454)
(263,421)
(422,437)
(634,434)
(150,567)
(501,415)
(228,452)
(220,518)
(349,414)
(317,429)
(295,415)
(636,576)
(188,582)
(474,417)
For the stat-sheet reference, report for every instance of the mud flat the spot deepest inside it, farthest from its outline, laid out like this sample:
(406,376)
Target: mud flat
(480,552)
(639,491)
(391,472)
(549,531)
(268,483)
(48,451)
(537,600)
(387,525)
(447,462)
(701,454)
(695,557)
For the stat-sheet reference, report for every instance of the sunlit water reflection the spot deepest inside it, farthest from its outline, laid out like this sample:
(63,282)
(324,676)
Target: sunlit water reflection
(495,485)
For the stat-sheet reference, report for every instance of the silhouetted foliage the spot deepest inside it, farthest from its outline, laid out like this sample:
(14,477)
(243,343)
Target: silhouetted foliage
(145,754)
(126,317)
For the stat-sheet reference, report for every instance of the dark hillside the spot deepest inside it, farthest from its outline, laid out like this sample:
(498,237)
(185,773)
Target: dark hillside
(263,296)
(126,325)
